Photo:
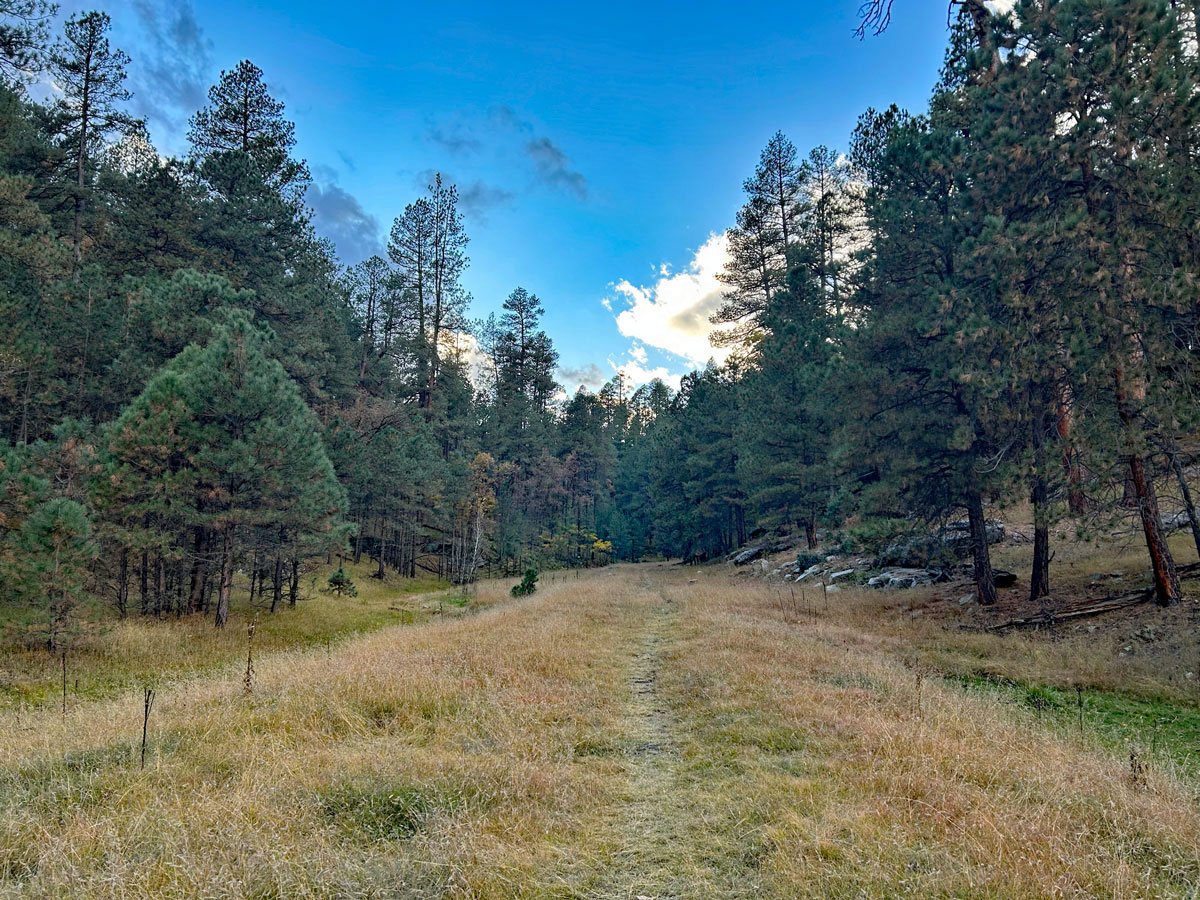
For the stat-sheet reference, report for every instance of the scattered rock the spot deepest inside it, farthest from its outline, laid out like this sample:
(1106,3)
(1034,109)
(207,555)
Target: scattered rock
(969,598)
(749,555)
(1004,579)
(904,578)
(842,574)
(1175,521)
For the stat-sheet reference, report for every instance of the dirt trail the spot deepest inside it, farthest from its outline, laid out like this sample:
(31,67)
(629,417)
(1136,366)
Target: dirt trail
(650,825)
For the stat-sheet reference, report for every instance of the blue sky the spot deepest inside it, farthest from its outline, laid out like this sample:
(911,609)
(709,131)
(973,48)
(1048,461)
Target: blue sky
(597,147)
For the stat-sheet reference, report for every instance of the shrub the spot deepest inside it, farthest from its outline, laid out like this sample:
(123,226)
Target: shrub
(807,560)
(528,584)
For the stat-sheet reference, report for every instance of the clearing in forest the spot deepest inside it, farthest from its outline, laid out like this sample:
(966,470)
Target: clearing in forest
(640,731)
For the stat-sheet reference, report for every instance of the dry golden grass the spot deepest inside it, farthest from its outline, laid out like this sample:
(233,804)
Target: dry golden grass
(111,656)
(868,782)
(636,731)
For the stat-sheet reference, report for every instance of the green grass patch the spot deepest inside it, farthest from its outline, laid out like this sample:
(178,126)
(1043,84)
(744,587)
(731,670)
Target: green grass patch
(1166,727)
(377,810)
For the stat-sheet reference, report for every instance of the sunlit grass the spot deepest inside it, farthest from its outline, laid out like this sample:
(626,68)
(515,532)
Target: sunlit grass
(637,731)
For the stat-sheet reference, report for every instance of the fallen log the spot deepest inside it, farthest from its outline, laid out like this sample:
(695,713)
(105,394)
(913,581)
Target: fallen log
(1090,608)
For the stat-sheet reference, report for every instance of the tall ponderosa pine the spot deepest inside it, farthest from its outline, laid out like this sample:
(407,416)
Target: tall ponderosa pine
(243,117)
(91,75)
(428,248)
(766,226)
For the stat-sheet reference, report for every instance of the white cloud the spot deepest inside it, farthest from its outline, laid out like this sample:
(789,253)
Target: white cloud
(465,346)
(672,314)
(637,374)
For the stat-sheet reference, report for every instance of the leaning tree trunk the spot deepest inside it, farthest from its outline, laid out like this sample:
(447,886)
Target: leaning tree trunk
(985,579)
(1184,490)
(1166,579)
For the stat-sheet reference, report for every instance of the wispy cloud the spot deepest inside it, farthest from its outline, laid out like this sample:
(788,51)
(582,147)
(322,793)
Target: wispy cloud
(553,167)
(455,141)
(590,376)
(476,198)
(170,73)
(509,134)
(338,216)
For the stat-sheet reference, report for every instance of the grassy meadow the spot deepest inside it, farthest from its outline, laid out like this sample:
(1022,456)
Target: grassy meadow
(637,731)
(108,656)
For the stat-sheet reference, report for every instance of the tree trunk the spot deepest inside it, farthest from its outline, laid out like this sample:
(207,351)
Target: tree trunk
(160,586)
(382,546)
(196,578)
(226,580)
(985,580)
(1070,456)
(144,583)
(810,530)
(253,576)
(1039,577)
(1166,578)
(277,586)
(123,583)
(1186,492)
(294,587)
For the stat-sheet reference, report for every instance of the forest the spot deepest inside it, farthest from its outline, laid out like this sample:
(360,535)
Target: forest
(990,300)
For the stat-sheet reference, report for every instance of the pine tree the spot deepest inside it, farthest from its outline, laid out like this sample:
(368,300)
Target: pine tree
(243,117)
(784,428)
(766,226)
(91,75)
(221,443)
(427,247)
(24,25)
(53,547)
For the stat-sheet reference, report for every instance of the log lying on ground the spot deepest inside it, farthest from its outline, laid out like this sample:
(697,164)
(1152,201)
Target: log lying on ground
(1089,608)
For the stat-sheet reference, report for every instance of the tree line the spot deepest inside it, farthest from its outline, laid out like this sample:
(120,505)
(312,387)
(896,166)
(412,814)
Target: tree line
(193,387)
(990,300)
(993,298)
